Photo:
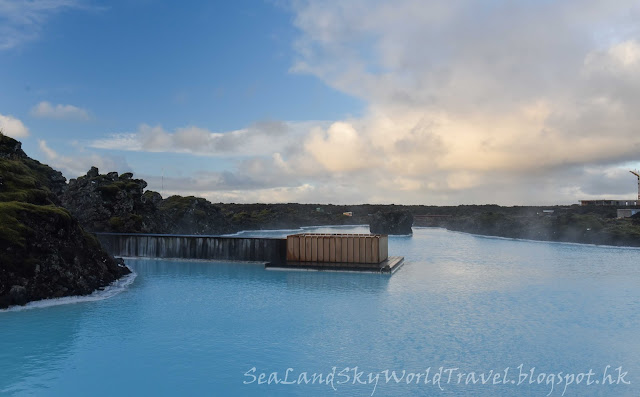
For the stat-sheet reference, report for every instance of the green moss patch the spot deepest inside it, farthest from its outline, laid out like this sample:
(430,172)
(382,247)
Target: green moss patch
(12,231)
(13,215)
(111,190)
(129,223)
(179,203)
(21,182)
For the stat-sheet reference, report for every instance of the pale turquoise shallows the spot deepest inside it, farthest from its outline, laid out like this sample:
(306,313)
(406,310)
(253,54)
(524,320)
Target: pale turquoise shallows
(461,301)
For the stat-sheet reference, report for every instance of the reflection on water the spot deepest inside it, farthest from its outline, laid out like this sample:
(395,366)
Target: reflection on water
(194,328)
(243,273)
(338,282)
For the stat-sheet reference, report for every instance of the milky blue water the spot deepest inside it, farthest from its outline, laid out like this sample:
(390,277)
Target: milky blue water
(461,301)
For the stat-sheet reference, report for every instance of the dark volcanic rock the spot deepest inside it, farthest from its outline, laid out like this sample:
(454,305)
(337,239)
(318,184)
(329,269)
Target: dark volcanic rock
(111,203)
(118,203)
(44,253)
(292,215)
(11,149)
(192,215)
(18,295)
(25,179)
(395,222)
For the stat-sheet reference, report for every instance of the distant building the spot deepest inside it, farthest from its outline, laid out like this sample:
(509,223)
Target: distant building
(615,203)
(627,212)
(546,212)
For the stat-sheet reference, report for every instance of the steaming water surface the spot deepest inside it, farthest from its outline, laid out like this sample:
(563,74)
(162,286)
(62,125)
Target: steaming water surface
(461,301)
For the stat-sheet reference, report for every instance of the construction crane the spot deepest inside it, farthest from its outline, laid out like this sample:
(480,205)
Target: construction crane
(638,176)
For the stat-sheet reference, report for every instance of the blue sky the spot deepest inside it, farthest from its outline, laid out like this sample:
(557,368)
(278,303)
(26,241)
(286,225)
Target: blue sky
(363,101)
(223,65)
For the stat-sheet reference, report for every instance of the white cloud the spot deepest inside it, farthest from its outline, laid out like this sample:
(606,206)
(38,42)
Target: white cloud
(300,194)
(51,154)
(260,138)
(22,21)
(82,160)
(45,109)
(466,100)
(13,127)
(339,149)
(512,103)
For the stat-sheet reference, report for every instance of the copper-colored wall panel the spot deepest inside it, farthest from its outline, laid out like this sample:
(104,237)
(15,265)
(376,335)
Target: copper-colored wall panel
(320,257)
(325,245)
(350,257)
(296,247)
(344,257)
(384,247)
(314,248)
(367,250)
(332,248)
(302,246)
(307,249)
(356,249)
(375,249)
(291,247)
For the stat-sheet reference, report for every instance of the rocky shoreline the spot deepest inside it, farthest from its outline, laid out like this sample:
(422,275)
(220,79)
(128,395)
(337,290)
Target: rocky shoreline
(44,251)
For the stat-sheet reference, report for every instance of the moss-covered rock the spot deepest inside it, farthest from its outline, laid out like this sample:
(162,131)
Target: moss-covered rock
(393,222)
(118,203)
(24,179)
(111,203)
(44,253)
(192,215)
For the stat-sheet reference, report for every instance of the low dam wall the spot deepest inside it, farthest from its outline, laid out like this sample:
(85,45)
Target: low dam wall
(271,250)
